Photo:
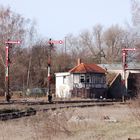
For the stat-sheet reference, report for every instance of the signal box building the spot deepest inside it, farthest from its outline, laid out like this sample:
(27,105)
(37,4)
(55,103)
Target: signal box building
(83,81)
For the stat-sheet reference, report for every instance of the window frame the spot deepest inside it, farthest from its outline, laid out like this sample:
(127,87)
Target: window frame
(82,79)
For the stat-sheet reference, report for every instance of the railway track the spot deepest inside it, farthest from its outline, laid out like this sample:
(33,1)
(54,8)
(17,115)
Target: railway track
(35,107)
(43,102)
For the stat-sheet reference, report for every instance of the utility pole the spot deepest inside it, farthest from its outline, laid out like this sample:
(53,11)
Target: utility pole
(49,72)
(65,55)
(65,44)
(7,68)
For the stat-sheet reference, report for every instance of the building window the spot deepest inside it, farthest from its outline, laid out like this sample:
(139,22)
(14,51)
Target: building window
(87,79)
(82,79)
(93,79)
(64,79)
(97,80)
(103,80)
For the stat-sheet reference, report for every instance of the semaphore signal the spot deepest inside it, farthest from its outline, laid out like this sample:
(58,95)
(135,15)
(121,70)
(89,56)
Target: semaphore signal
(12,42)
(7,68)
(125,65)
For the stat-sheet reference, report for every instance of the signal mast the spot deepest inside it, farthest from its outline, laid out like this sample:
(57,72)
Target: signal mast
(125,66)
(8,44)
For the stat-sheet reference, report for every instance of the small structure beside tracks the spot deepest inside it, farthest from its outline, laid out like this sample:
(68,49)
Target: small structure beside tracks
(84,80)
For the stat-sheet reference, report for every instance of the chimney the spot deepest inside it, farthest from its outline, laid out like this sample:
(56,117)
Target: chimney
(79,61)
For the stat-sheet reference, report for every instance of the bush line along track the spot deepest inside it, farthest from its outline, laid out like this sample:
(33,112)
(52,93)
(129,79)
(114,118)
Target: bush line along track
(45,106)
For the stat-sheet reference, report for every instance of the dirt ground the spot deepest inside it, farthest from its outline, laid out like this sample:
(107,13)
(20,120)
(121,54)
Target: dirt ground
(118,122)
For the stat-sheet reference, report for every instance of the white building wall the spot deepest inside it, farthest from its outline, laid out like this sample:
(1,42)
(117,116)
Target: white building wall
(76,81)
(66,81)
(63,85)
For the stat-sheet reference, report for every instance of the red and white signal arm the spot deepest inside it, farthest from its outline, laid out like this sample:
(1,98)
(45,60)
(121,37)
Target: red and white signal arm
(13,42)
(129,49)
(56,42)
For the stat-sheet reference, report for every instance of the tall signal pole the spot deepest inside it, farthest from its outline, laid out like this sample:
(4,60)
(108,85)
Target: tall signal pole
(49,71)
(125,65)
(65,51)
(7,68)
(7,82)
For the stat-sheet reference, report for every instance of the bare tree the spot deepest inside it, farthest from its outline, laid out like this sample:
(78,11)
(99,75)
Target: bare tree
(75,48)
(14,27)
(98,35)
(113,43)
(135,9)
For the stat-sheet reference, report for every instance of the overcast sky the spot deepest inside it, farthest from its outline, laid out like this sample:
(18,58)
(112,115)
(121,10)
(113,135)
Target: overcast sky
(57,18)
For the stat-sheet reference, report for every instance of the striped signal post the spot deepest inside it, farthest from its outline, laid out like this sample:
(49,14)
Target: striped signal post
(7,95)
(125,65)
(7,68)
(49,72)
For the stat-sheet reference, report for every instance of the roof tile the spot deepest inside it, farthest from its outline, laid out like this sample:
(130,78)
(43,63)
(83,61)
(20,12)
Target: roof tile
(87,68)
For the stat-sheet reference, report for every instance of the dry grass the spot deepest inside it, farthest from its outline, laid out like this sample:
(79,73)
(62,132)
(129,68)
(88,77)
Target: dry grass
(135,108)
(74,124)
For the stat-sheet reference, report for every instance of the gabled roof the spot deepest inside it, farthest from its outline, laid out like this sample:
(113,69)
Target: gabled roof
(111,77)
(87,68)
